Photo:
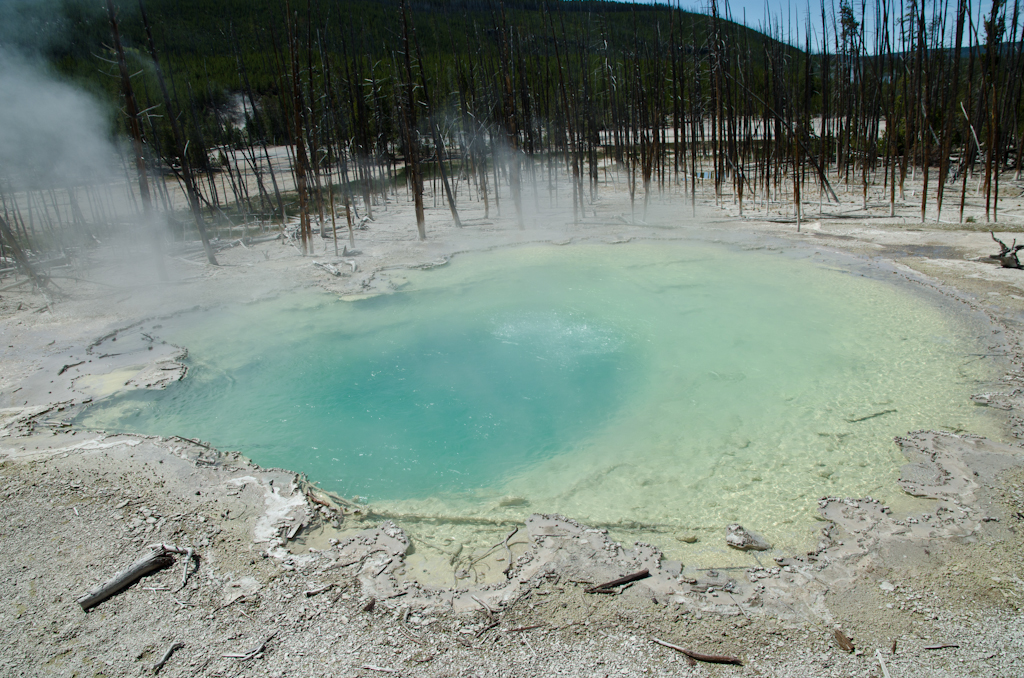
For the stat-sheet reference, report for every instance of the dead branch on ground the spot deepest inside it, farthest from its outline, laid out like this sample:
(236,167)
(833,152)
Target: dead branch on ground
(158,558)
(167,655)
(1007,256)
(843,640)
(508,552)
(710,658)
(490,612)
(245,656)
(603,588)
(140,568)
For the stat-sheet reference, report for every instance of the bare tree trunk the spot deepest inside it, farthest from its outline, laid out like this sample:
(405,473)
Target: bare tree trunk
(409,121)
(438,144)
(19,255)
(136,132)
(186,167)
(305,230)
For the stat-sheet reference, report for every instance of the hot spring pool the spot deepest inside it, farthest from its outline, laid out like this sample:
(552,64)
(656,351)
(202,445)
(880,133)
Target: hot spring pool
(658,389)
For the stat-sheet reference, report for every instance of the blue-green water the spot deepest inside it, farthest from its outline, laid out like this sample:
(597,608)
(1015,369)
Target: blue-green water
(682,385)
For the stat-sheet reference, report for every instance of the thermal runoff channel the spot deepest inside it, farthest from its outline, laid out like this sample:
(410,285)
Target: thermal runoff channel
(678,384)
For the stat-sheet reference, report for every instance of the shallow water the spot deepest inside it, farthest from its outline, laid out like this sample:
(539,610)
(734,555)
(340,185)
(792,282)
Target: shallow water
(674,386)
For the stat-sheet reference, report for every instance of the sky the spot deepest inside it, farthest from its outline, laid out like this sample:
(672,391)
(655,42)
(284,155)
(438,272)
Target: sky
(792,15)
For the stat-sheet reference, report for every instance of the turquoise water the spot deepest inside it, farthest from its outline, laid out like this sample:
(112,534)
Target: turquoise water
(679,386)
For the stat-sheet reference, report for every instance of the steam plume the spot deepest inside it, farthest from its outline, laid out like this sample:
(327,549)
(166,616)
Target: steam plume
(51,133)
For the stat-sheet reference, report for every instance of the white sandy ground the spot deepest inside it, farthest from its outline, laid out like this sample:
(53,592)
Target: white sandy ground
(942,567)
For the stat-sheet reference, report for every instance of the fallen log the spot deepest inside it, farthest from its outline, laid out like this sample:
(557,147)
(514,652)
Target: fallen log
(68,367)
(333,270)
(710,658)
(151,562)
(642,574)
(158,558)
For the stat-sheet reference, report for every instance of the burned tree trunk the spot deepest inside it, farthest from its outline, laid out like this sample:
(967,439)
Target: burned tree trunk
(299,143)
(438,144)
(409,122)
(19,254)
(132,109)
(179,148)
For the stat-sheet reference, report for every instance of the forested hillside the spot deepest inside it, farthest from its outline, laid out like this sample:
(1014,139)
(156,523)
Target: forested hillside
(371,96)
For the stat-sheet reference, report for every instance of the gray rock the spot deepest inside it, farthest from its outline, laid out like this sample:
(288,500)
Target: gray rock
(740,538)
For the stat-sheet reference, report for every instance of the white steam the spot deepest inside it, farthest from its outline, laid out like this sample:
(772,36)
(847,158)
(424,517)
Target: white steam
(52,134)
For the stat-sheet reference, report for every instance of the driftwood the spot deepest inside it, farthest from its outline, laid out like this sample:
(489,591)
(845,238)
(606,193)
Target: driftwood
(490,612)
(710,658)
(294,530)
(1007,256)
(409,634)
(167,655)
(245,656)
(200,443)
(317,500)
(881,413)
(333,270)
(508,552)
(941,646)
(68,367)
(603,588)
(487,628)
(152,561)
(881,662)
(315,592)
(386,565)
(158,558)
(189,554)
(843,641)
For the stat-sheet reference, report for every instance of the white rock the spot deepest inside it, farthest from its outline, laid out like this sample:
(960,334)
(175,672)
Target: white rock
(740,538)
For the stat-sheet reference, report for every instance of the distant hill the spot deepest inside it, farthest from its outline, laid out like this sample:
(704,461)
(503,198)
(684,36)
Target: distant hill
(203,37)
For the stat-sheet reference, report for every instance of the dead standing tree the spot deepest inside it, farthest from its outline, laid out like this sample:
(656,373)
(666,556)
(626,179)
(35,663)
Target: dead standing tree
(409,125)
(301,163)
(132,112)
(438,143)
(8,236)
(186,167)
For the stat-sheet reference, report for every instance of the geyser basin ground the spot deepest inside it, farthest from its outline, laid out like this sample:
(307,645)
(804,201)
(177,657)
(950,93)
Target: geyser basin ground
(662,390)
